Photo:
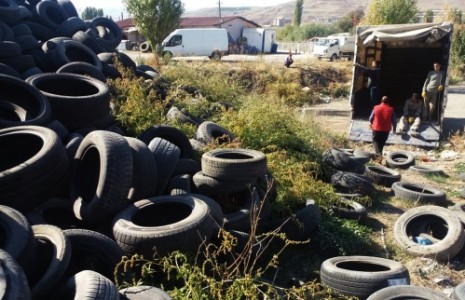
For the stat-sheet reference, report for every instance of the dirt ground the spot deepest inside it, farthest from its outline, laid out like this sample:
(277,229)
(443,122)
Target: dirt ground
(449,157)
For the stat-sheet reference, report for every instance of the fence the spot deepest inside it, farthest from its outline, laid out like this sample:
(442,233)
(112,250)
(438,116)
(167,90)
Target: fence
(300,48)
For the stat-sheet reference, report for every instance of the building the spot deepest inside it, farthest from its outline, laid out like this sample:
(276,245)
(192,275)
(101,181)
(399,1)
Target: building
(233,24)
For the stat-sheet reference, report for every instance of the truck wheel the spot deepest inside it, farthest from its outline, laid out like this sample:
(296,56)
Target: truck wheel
(167,55)
(333,57)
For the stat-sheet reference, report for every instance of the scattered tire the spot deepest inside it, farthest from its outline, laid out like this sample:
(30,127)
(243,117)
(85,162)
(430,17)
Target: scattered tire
(82,68)
(342,161)
(435,221)
(401,292)
(13,281)
(54,249)
(210,186)
(101,177)
(382,175)
(33,165)
(361,276)
(234,164)
(163,224)
(459,292)
(166,157)
(142,292)
(350,209)
(423,169)
(400,159)
(171,134)
(88,284)
(94,251)
(209,131)
(418,193)
(353,183)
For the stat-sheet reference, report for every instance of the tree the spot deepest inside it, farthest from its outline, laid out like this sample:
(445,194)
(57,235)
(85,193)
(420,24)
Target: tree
(349,21)
(391,12)
(299,7)
(91,12)
(155,19)
(429,16)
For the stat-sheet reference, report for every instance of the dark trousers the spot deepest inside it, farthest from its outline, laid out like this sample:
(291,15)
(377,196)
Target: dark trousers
(379,140)
(374,95)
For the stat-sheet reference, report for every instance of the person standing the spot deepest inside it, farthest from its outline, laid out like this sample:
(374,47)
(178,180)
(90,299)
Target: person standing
(374,81)
(382,119)
(431,88)
(413,108)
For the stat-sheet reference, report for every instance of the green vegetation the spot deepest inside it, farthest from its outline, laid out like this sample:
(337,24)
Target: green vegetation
(255,102)
(91,12)
(391,12)
(299,7)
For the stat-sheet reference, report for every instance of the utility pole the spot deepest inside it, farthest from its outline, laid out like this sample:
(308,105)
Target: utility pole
(219,9)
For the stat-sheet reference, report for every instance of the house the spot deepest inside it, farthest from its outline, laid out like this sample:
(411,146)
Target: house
(233,24)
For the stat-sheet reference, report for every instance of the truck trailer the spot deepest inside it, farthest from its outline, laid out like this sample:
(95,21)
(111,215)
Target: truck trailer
(406,53)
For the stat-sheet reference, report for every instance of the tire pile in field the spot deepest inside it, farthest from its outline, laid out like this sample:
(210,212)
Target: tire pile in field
(429,230)
(76,194)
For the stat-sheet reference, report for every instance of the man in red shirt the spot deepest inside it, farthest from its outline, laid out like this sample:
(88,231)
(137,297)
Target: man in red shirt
(382,120)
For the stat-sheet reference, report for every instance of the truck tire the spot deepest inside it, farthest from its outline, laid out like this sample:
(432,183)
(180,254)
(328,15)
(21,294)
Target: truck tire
(171,134)
(360,276)
(88,285)
(166,157)
(353,183)
(13,281)
(439,223)
(333,57)
(382,175)
(350,209)
(209,131)
(400,159)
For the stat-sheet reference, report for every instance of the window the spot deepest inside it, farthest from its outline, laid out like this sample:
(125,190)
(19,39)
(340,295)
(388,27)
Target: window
(176,40)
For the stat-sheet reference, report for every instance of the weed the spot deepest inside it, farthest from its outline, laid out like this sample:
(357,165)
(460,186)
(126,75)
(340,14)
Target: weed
(438,178)
(459,167)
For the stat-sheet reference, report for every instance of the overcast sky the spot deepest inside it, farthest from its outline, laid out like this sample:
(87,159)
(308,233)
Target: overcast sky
(115,7)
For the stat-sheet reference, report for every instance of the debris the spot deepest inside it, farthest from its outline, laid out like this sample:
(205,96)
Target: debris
(448,155)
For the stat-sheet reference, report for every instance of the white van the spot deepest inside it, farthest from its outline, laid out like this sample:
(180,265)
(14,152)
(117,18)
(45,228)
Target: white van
(211,42)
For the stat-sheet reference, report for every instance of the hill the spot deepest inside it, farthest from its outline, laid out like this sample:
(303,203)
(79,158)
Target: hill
(322,9)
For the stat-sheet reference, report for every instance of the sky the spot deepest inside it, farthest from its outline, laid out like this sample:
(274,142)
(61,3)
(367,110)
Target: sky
(116,7)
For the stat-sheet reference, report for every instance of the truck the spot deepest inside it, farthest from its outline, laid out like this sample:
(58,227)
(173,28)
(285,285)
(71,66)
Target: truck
(405,53)
(335,47)
(263,39)
(211,42)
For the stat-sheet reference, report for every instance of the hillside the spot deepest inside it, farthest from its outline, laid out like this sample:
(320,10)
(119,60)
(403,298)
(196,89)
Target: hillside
(312,9)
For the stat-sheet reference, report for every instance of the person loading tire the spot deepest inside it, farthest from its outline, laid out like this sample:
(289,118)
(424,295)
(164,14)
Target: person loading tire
(411,117)
(382,119)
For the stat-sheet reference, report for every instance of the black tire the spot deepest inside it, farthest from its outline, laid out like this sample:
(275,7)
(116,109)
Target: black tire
(33,165)
(30,72)
(360,276)
(71,26)
(164,223)
(209,131)
(238,209)
(13,281)
(88,285)
(6,34)
(145,47)
(54,249)
(174,114)
(71,50)
(350,209)
(382,175)
(437,222)
(77,101)
(50,14)
(101,177)
(94,251)
(20,63)
(89,41)
(166,157)
(27,42)
(8,49)
(142,292)
(59,129)
(37,109)
(144,171)
(399,292)
(171,134)
(300,226)
(186,166)
(234,164)
(424,169)
(342,161)
(41,32)
(418,193)
(353,183)
(69,7)
(400,159)
(7,70)
(72,144)
(211,186)
(82,68)
(111,40)
(179,185)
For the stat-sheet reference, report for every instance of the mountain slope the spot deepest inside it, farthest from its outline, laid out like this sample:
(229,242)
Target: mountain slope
(321,9)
